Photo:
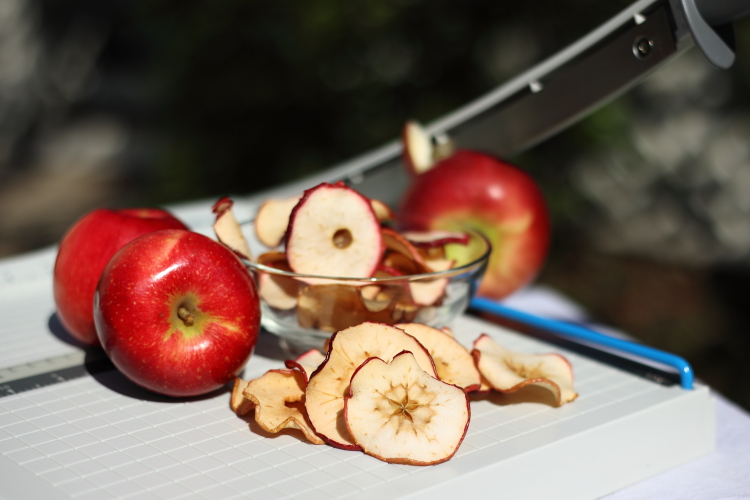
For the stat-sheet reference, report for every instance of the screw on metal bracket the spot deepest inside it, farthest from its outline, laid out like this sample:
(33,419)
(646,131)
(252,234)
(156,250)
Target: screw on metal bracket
(642,47)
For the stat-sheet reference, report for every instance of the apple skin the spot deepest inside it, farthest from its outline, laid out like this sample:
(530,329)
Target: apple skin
(142,304)
(84,251)
(492,196)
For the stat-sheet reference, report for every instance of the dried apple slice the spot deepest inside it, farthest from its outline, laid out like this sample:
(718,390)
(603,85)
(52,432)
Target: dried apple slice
(398,264)
(397,243)
(238,402)
(405,311)
(399,414)
(421,150)
(279,292)
(382,211)
(418,149)
(270,394)
(273,218)
(508,371)
(405,259)
(228,230)
(348,349)
(334,307)
(436,238)
(453,362)
(307,363)
(333,231)
(429,292)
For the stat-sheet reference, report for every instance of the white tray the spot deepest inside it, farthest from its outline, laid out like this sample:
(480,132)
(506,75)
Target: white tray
(99,437)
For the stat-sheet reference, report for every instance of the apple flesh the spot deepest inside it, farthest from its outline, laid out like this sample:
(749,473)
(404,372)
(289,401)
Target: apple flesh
(476,190)
(85,250)
(177,313)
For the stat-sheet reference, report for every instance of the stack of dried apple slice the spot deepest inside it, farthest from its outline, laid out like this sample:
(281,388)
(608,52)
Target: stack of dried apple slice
(399,393)
(331,231)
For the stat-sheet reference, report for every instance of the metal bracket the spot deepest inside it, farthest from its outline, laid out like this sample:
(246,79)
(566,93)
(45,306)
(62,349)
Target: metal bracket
(717,44)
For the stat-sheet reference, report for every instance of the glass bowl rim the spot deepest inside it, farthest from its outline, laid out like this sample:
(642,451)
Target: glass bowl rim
(455,271)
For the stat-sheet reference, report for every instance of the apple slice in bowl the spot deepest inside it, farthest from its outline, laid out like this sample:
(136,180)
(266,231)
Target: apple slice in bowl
(313,306)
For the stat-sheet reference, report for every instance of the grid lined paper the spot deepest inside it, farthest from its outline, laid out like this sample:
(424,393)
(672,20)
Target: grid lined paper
(98,437)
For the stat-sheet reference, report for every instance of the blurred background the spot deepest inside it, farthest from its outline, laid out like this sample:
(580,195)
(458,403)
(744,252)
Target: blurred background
(152,102)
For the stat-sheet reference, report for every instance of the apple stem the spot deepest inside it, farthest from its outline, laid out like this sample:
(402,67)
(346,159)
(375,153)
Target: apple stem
(185,316)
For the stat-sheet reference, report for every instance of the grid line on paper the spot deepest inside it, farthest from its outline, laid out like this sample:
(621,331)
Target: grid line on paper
(92,442)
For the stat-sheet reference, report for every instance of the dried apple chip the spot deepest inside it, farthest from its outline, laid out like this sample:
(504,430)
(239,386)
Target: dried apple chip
(228,230)
(398,264)
(382,211)
(238,402)
(279,292)
(436,238)
(399,414)
(333,231)
(453,362)
(348,349)
(307,363)
(270,394)
(334,307)
(508,371)
(273,218)
(397,243)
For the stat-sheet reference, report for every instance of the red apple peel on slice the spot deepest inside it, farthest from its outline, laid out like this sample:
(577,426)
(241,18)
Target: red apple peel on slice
(507,371)
(347,350)
(453,362)
(333,231)
(307,362)
(228,230)
(398,413)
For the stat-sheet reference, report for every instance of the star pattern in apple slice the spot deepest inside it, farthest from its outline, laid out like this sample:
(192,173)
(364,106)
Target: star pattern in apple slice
(398,413)
(348,349)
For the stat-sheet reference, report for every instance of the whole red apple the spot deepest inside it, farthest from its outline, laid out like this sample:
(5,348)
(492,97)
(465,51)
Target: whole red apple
(177,313)
(85,250)
(501,201)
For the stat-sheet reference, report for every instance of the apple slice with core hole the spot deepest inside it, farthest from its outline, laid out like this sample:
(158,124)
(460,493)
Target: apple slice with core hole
(347,350)
(333,231)
(228,230)
(453,362)
(508,371)
(399,414)
(273,218)
(270,394)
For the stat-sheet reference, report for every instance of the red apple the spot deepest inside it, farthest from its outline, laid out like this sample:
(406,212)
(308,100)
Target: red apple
(85,250)
(177,313)
(476,190)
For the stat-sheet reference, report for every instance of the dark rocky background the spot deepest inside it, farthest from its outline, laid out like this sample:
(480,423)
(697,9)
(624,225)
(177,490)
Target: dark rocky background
(149,102)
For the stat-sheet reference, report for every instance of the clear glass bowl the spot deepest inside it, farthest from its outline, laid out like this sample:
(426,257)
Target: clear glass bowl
(304,310)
